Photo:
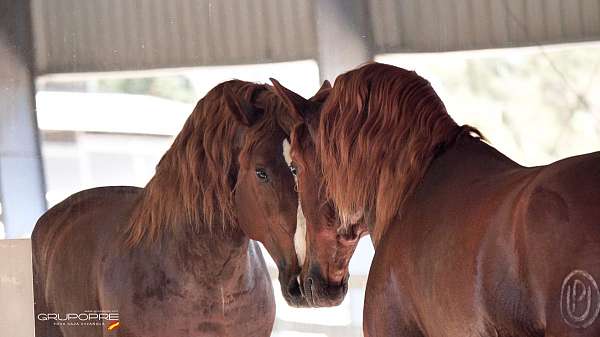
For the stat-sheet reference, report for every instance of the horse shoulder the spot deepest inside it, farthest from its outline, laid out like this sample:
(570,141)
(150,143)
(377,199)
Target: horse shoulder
(388,307)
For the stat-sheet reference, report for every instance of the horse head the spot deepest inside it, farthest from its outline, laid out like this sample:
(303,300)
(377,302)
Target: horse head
(324,244)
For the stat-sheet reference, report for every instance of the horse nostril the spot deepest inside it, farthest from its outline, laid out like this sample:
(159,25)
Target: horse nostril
(311,285)
(300,285)
(293,288)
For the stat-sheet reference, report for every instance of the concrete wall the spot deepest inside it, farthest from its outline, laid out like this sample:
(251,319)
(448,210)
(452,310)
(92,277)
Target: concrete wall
(16,289)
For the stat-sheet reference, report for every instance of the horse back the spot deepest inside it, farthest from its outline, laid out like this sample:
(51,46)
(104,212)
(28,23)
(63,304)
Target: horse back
(493,256)
(66,242)
(545,228)
(558,242)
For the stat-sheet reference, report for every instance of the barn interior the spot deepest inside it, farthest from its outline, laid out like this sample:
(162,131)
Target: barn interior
(92,93)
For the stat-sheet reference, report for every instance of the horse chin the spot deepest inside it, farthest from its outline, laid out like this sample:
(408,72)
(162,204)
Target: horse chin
(319,293)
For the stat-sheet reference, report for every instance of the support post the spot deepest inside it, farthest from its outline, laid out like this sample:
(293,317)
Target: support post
(344,36)
(22,187)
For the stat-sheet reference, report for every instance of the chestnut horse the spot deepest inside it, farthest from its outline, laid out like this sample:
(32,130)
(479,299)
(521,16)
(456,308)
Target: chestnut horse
(467,242)
(176,258)
(324,253)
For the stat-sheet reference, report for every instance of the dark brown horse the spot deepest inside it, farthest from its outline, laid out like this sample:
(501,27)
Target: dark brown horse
(176,258)
(467,242)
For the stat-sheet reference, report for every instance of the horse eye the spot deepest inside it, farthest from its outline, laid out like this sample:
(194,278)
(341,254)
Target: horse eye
(262,175)
(294,170)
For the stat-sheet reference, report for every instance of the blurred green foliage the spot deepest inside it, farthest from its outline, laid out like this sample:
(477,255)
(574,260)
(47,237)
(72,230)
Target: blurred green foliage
(172,87)
(536,104)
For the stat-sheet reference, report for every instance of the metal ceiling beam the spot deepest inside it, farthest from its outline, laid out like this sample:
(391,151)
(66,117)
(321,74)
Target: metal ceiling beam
(115,35)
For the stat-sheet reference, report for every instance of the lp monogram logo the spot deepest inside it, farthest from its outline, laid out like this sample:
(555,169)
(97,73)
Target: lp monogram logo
(579,299)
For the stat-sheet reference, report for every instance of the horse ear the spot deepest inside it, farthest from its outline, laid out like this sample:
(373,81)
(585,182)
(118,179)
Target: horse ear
(240,108)
(323,93)
(297,105)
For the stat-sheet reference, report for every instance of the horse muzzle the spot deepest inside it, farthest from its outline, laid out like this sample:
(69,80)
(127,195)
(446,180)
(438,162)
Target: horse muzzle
(290,289)
(319,293)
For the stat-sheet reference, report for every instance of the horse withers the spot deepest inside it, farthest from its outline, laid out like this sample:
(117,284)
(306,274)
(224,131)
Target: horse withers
(177,258)
(467,242)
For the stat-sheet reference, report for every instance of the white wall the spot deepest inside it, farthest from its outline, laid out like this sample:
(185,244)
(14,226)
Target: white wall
(16,289)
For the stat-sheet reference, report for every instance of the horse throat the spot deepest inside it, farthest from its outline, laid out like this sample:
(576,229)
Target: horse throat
(214,253)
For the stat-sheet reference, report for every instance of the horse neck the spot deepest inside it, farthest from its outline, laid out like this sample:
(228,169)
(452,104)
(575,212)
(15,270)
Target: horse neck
(212,252)
(194,243)
(468,159)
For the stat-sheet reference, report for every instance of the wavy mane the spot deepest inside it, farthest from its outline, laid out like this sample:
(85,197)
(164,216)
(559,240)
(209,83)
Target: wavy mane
(379,131)
(195,179)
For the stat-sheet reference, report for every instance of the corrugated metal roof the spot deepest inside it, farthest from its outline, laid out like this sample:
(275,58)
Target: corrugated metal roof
(106,35)
(446,25)
(92,35)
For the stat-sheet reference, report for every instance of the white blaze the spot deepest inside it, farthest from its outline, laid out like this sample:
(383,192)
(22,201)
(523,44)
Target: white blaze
(300,234)
(300,237)
(286,152)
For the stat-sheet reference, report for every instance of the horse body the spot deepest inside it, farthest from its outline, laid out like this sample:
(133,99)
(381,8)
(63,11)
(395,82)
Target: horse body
(178,291)
(162,267)
(484,246)
(65,278)
(467,242)
(157,292)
